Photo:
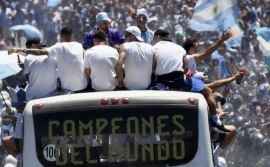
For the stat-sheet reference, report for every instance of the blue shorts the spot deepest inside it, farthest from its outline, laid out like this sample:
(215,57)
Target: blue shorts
(197,85)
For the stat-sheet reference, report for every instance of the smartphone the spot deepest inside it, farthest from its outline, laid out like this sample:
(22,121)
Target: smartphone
(18,57)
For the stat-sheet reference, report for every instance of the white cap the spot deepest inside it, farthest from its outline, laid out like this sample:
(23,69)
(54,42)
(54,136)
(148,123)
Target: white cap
(102,16)
(144,12)
(222,161)
(135,31)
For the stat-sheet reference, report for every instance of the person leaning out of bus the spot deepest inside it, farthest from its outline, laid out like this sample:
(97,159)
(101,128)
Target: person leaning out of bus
(221,140)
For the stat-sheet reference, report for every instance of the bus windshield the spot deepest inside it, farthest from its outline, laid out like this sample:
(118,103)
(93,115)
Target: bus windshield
(137,135)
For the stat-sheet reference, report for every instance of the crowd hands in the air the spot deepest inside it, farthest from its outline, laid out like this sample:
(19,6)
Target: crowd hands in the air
(247,104)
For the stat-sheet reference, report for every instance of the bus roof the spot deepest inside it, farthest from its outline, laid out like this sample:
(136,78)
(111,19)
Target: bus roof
(134,97)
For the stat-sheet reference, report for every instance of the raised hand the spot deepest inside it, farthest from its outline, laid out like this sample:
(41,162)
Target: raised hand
(226,35)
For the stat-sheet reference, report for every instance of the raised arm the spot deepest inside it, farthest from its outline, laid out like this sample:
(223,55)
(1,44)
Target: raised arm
(225,36)
(223,82)
(36,52)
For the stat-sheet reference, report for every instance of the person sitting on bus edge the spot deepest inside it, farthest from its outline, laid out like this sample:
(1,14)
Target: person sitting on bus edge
(134,66)
(134,71)
(192,48)
(223,140)
(69,60)
(167,63)
(170,72)
(100,64)
(14,144)
(140,19)
(114,37)
(40,72)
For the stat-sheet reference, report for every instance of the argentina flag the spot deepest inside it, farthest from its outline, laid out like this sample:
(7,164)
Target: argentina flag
(237,33)
(263,37)
(221,15)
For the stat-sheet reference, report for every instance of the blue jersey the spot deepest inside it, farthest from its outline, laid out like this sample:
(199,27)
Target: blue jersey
(114,37)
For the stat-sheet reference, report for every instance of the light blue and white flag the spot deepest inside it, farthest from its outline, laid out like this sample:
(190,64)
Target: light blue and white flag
(263,37)
(210,14)
(237,33)
(221,15)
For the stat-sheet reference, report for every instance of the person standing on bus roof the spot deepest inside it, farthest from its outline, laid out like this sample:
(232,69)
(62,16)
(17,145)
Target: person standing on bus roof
(69,60)
(140,19)
(134,66)
(113,36)
(168,65)
(40,72)
(100,63)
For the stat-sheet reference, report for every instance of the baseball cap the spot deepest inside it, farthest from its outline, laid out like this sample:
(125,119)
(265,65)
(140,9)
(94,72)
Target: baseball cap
(135,31)
(18,96)
(163,33)
(102,16)
(144,12)
(35,41)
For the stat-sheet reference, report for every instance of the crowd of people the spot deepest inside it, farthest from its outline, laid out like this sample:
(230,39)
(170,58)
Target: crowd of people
(103,26)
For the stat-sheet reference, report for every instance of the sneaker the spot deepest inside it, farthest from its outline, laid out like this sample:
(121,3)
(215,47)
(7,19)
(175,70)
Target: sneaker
(222,161)
(219,128)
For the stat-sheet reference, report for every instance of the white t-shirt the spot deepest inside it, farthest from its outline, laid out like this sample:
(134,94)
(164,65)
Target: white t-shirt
(169,57)
(102,60)
(192,64)
(69,60)
(42,76)
(138,65)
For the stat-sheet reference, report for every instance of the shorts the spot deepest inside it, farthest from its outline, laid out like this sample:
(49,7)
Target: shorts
(197,85)
(171,81)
